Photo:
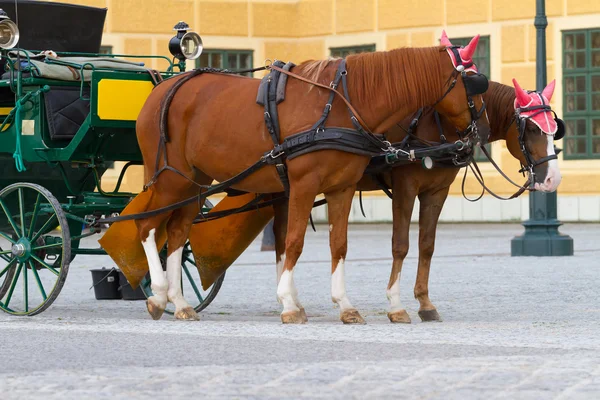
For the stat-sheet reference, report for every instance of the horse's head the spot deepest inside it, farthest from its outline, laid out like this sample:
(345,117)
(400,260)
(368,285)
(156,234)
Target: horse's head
(532,140)
(462,102)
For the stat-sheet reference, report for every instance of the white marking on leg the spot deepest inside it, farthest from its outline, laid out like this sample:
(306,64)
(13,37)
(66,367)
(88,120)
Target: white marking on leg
(393,295)
(286,291)
(157,275)
(338,287)
(279,267)
(174,293)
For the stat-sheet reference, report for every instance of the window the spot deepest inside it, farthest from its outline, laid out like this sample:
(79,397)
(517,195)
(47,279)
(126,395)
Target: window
(227,59)
(105,49)
(343,52)
(581,93)
(482,60)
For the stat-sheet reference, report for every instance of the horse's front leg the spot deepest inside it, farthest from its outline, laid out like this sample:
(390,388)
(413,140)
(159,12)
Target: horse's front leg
(302,195)
(280,230)
(403,201)
(148,230)
(429,214)
(338,207)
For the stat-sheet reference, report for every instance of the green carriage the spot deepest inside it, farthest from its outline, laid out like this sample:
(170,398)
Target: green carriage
(66,115)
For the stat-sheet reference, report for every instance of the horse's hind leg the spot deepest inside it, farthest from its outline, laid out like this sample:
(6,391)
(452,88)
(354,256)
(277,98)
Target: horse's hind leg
(280,230)
(431,207)
(339,203)
(178,229)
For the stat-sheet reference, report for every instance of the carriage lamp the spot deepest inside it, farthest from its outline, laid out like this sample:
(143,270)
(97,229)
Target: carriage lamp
(9,32)
(185,45)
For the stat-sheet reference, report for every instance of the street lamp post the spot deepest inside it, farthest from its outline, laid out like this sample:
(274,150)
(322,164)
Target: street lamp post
(541,237)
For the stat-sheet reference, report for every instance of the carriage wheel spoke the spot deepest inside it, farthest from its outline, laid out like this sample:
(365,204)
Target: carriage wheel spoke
(43,228)
(9,217)
(43,264)
(13,284)
(3,252)
(7,237)
(36,210)
(47,246)
(25,289)
(38,280)
(4,257)
(22,212)
(8,266)
(5,307)
(189,275)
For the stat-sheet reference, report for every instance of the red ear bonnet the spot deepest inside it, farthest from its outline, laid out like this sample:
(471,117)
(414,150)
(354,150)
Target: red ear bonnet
(549,90)
(544,120)
(523,98)
(466,53)
(444,41)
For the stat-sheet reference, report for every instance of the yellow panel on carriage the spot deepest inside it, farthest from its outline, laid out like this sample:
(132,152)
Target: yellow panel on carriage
(122,100)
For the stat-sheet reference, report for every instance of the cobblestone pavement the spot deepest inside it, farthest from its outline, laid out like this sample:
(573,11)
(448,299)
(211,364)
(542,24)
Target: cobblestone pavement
(525,328)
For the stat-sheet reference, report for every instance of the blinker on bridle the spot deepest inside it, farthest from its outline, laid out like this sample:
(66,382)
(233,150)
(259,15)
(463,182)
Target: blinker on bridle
(476,84)
(521,122)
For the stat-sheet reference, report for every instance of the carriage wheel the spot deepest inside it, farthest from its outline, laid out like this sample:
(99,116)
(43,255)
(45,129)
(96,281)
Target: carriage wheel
(190,282)
(34,255)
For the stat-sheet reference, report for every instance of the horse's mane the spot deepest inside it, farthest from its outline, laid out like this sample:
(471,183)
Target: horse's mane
(314,69)
(500,100)
(393,75)
(390,75)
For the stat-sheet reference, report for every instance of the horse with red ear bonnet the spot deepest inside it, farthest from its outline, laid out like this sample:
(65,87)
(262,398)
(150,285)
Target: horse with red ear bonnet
(533,113)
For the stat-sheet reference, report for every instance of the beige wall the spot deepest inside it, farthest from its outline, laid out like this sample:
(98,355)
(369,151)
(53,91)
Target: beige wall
(305,29)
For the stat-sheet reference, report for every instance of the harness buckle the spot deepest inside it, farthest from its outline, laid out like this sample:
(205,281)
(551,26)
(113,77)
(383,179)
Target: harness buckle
(274,156)
(328,107)
(267,115)
(411,155)
(333,85)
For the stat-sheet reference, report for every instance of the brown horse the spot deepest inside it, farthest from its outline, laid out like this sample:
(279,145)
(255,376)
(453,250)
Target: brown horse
(432,186)
(216,130)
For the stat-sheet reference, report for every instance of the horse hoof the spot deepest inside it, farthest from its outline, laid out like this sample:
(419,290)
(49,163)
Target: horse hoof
(293,317)
(352,317)
(429,315)
(399,317)
(187,314)
(303,315)
(154,309)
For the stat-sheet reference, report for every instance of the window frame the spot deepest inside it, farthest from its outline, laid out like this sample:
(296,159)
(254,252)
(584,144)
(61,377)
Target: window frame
(361,48)
(225,53)
(588,115)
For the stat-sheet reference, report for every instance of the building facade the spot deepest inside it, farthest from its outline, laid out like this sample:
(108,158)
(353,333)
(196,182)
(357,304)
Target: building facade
(244,33)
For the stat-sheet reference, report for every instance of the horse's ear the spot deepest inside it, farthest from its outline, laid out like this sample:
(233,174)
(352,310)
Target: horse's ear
(522,97)
(444,41)
(469,50)
(549,90)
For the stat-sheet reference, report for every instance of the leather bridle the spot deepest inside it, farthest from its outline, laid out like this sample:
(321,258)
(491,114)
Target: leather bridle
(521,121)
(476,84)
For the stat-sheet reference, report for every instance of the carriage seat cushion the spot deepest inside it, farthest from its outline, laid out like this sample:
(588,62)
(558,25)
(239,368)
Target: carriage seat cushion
(65,111)
(70,68)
